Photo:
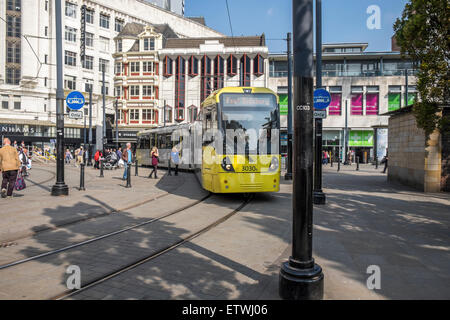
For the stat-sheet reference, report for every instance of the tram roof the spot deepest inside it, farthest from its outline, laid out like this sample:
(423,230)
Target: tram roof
(215,96)
(166,129)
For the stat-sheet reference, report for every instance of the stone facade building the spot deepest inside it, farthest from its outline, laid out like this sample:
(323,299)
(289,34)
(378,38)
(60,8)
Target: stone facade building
(411,161)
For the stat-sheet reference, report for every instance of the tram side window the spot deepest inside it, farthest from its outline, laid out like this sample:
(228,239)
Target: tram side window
(169,144)
(161,141)
(152,140)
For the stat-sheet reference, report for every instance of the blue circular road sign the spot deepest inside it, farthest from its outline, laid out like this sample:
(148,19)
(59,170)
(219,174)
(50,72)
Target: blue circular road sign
(75,100)
(322,99)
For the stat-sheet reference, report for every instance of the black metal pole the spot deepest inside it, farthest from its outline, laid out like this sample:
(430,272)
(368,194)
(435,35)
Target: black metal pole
(164,113)
(60,188)
(117,124)
(300,278)
(137,165)
(288,175)
(357,163)
(318,195)
(346,134)
(128,175)
(104,111)
(82,188)
(90,127)
(339,164)
(406,87)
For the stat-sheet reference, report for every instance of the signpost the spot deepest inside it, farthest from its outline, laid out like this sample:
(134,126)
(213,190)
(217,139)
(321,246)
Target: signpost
(75,100)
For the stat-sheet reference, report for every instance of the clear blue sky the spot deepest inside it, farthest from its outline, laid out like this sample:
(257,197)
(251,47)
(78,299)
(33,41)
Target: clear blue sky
(343,20)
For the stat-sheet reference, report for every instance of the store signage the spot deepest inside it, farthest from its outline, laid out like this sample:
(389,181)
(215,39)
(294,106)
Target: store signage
(322,99)
(75,100)
(16,129)
(360,138)
(83,33)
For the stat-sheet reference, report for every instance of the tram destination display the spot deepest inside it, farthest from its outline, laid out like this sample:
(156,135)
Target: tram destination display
(244,100)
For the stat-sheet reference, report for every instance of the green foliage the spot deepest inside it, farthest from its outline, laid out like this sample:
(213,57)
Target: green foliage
(423,34)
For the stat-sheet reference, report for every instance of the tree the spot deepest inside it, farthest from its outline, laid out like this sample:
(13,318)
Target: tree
(423,34)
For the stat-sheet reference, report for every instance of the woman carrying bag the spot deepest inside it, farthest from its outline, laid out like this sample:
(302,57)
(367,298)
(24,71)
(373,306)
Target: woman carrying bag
(155,160)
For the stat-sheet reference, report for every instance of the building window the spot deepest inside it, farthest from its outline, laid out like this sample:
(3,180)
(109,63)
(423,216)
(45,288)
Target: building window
(12,52)
(134,115)
(180,89)
(134,92)
(118,25)
(119,46)
(46,5)
(89,16)
(372,100)
(356,108)
(219,72)
(336,101)
(71,9)
(205,87)
(258,65)
(104,21)
(149,44)
(412,95)
(147,92)
(89,39)
(148,116)
(104,44)
(147,67)
(106,89)
(17,105)
(5,102)
(70,82)
(88,63)
(118,91)
(118,68)
(193,66)
(193,111)
(168,114)
(135,68)
(394,98)
(70,58)
(46,31)
(87,87)
(103,65)
(167,67)
(70,34)
(245,71)
(231,66)
(12,75)
(14,25)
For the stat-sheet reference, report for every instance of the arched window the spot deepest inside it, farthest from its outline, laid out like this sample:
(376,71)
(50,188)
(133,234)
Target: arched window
(193,112)
(231,65)
(193,66)
(219,72)
(206,86)
(167,67)
(245,71)
(180,88)
(258,65)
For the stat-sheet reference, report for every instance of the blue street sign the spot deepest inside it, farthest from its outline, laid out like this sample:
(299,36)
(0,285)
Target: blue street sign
(75,100)
(322,99)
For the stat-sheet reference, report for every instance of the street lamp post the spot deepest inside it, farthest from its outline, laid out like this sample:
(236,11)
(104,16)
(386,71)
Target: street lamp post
(90,127)
(319,196)
(104,111)
(117,124)
(300,277)
(288,175)
(60,188)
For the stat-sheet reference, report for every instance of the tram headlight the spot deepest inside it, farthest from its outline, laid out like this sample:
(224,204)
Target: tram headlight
(226,165)
(274,164)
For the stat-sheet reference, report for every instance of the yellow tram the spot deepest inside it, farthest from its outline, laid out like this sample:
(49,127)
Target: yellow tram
(233,146)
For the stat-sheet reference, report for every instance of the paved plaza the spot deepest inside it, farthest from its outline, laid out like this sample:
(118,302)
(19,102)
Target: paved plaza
(366,221)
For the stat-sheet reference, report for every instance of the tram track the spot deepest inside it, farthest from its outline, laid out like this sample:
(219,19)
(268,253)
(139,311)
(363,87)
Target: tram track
(90,217)
(101,237)
(155,254)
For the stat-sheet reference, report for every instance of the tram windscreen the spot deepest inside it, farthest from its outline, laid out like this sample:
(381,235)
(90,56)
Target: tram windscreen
(251,113)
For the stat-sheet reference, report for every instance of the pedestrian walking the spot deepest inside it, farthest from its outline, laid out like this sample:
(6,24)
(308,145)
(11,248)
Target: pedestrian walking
(97,157)
(23,158)
(9,166)
(127,158)
(68,156)
(155,160)
(175,159)
(385,161)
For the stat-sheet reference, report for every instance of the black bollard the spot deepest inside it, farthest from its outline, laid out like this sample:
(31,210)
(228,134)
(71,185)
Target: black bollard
(357,163)
(339,164)
(136,172)
(101,169)
(331,161)
(82,177)
(376,163)
(128,175)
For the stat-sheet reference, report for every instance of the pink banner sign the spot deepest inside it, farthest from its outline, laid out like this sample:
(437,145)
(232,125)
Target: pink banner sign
(335,106)
(357,105)
(372,104)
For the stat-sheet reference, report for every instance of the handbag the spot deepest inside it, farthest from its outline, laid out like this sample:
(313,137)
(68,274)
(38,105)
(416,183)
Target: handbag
(20,183)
